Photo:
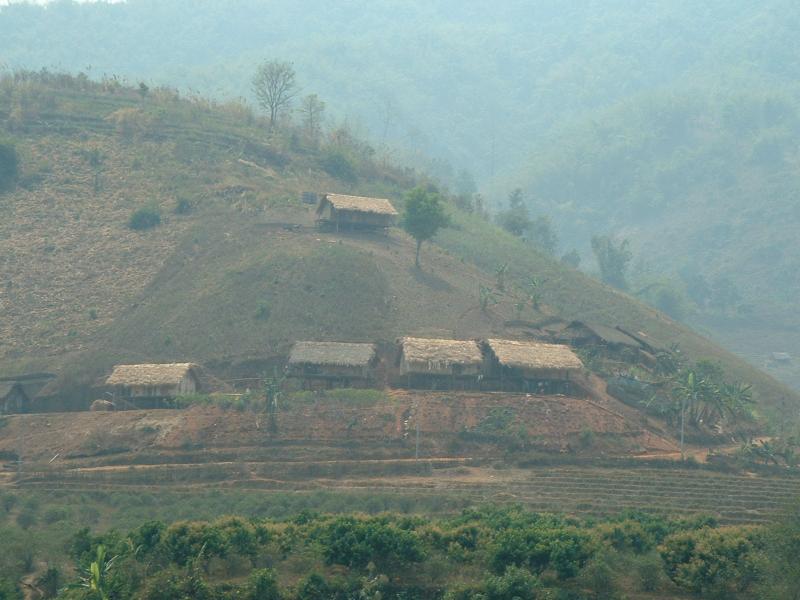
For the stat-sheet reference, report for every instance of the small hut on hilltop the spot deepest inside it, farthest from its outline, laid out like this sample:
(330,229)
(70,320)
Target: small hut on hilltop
(146,385)
(13,399)
(338,211)
(439,364)
(332,364)
(530,366)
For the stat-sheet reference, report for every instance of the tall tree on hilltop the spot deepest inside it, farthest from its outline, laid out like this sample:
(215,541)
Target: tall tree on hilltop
(424,216)
(613,259)
(275,87)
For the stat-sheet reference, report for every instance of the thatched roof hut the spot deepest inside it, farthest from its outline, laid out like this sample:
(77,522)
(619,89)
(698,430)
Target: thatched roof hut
(13,398)
(581,333)
(533,356)
(439,356)
(150,374)
(155,380)
(333,364)
(332,354)
(355,211)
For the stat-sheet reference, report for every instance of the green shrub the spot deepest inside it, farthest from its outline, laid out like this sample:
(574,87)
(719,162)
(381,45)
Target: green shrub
(183,542)
(9,166)
(49,582)
(54,515)
(8,501)
(313,587)
(339,164)
(627,536)
(564,549)
(716,563)
(515,583)
(183,206)
(9,591)
(649,571)
(357,542)
(599,578)
(263,586)
(145,218)
(26,519)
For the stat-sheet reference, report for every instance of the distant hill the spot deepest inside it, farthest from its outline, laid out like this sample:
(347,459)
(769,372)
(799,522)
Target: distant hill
(236,271)
(706,185)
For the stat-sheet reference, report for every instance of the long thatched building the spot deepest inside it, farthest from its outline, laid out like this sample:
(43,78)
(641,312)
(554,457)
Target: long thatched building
(342,212)
(146,385)
(438,363)
(332,364)
(530,366)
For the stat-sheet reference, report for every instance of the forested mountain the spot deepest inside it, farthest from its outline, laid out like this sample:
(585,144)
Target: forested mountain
(671,124)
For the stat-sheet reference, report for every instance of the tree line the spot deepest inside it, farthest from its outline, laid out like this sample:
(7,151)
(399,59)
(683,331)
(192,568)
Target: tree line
(489,553)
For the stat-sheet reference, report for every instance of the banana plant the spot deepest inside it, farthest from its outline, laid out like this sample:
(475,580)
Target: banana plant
(95,578)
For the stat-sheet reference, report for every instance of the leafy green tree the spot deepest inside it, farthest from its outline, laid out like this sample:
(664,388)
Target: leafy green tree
(8,591)
(275,87)
(9,166)
(538,547)
(516,583)
(263,586)
(516,220)
(714,563)
(542,235)
(613,259)
(313,587)
(357,542)
(424,216)
(781,570)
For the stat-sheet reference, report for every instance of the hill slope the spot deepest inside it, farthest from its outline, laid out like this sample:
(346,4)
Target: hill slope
(233,281)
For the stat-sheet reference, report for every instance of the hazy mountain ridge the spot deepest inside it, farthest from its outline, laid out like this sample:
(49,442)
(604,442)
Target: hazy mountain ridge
(473,84)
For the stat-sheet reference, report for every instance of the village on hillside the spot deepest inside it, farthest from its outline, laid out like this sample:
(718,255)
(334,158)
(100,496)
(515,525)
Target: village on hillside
(540,364)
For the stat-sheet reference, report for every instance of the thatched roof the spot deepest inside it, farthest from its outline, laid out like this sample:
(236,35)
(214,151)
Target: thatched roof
(534,355)
(438,353)
(607,335)
(338,354)
(6,387)
(150,374)
(378,206)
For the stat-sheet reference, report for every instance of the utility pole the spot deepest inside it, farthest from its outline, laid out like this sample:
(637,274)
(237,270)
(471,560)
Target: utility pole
(416,419)
(683,419)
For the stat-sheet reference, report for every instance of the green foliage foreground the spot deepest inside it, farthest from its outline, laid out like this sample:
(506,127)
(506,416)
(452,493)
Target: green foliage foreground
(487,553)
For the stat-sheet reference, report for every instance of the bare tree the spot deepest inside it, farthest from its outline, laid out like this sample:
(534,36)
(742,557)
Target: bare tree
(312,109)
(275,87)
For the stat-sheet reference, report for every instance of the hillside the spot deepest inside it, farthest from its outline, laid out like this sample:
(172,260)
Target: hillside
(236,271)
(704,183)
(641,119)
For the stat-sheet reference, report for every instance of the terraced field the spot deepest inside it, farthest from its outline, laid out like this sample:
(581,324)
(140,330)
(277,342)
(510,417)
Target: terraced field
(574,490)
